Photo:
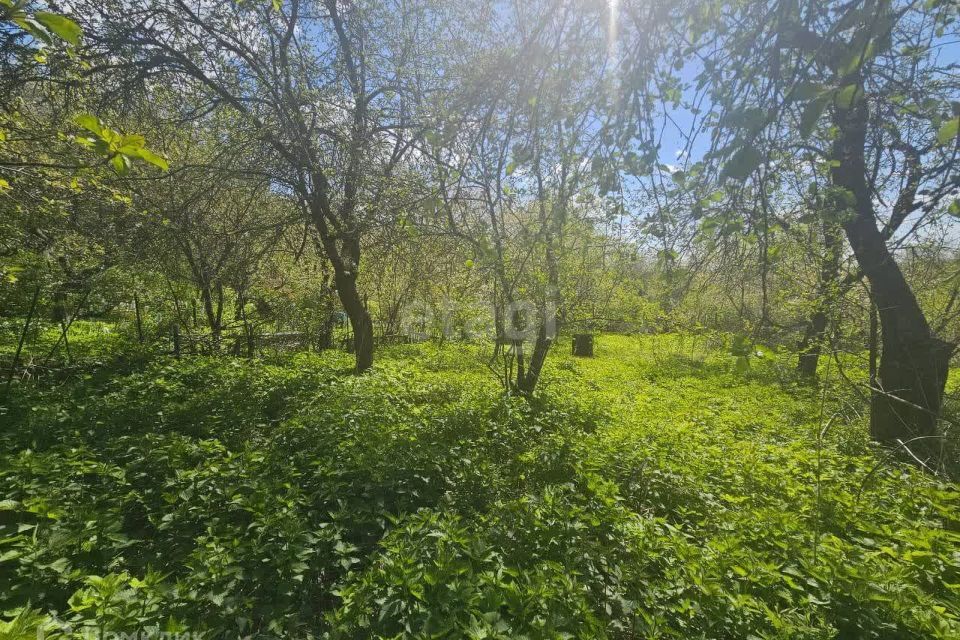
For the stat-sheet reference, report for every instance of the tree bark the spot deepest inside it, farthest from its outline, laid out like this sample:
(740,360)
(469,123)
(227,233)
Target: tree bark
(345,259)
(583,345)
(812,344)
(359,320)
(247,329)
(913,365)
(213,311)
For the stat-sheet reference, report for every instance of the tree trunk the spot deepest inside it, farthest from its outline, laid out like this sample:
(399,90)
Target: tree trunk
(913,364)
(326,332)
(551,221)
(873,346)
(212,312)
(528,383)
(346,281)
(344,256)
(583,345)
(812,344)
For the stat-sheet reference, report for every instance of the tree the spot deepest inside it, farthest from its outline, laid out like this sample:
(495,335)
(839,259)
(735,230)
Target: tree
(511,157)
(860,88)
(214,219)
(328,86)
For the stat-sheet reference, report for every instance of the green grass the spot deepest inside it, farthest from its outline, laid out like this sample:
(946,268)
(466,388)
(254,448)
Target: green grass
(89,341)
(650,492)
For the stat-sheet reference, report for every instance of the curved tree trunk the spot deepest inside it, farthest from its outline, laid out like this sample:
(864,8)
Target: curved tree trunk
(344,256)
(913,362)
(359,320)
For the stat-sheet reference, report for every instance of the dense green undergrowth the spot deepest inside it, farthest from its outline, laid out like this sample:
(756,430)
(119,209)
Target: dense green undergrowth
(651,492)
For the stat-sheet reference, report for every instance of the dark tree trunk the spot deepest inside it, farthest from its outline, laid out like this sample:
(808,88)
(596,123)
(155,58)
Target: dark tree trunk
(247,329)
(213,311)
(873,346)
(359,319)
(528,383)
(913,364)
(551,221)
(58,312)
(346,261)
(583,345)
(812,344)
(326,332)
(343,252)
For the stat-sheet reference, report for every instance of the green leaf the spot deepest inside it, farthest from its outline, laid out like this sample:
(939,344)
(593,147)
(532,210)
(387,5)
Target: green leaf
(89,122)
(60,25)
(149,156)
(34,28)
(811,115)
(120,163)
(742,164)
(130,143)
(857,56)
(948,132)
(806,91)
(848,95)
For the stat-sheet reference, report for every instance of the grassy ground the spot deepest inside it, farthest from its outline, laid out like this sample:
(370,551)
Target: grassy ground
(654,491)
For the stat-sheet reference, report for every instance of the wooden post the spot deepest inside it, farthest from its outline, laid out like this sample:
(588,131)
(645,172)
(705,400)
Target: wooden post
(583,345)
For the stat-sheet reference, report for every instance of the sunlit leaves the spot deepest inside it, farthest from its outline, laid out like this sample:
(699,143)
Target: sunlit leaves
(119,149)
(150,157)
(63,27)
(42,25)
(947,133)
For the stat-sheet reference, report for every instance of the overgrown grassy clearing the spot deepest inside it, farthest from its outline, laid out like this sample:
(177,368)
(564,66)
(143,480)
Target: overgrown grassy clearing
(652,491)
(87,339)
